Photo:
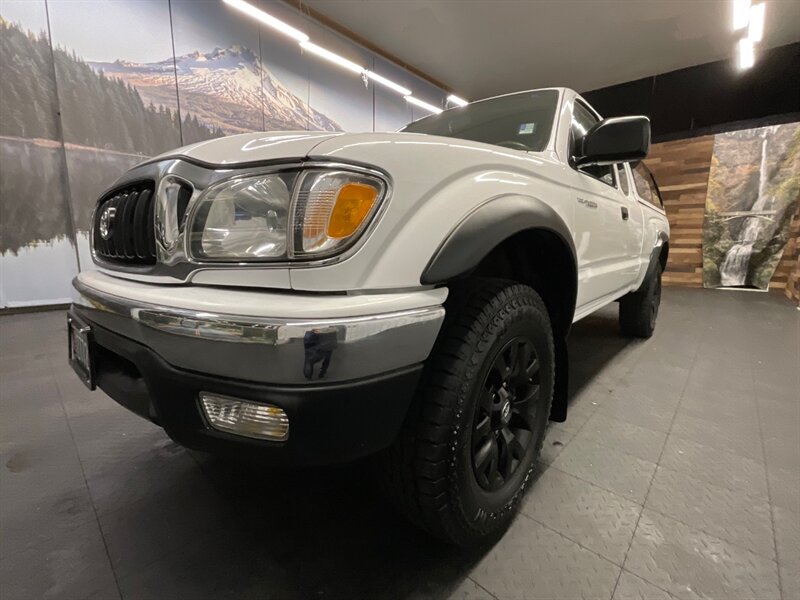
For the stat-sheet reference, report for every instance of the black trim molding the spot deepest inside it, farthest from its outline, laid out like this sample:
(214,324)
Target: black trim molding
(487,226)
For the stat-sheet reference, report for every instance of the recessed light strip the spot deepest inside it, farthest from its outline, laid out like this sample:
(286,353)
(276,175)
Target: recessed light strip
(425,105)
(332,57)
(755,29)
(752,18)
(747,56)
(388,83)
(741,14)
(306,44)
(267,19)
(456,100)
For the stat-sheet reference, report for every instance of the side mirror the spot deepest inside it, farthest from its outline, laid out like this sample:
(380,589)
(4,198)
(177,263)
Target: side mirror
(615,140)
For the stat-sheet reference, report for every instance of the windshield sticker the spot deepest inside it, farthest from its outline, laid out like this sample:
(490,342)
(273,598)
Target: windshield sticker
(527,128)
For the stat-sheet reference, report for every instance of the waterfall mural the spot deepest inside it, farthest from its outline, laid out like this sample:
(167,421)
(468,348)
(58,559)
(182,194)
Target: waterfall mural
(753,191)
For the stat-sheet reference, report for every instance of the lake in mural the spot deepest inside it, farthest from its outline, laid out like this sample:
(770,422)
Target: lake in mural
(90,93)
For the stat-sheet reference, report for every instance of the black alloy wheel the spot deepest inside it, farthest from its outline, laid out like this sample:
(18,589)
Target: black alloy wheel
(467,451)
(505,414)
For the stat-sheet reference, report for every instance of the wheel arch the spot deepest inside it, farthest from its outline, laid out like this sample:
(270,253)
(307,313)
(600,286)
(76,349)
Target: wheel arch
(663,256)
(658,255)
(524,240)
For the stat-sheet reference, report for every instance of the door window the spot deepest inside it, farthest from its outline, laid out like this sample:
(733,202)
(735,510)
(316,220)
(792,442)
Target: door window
(622,177)
(582,121)
(645,185)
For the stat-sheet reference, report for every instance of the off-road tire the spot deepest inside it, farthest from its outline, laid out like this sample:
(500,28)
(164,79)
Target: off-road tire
(638,311)
(429,473)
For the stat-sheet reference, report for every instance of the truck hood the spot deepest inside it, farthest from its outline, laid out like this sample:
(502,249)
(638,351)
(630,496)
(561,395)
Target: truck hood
(384,148)
(379,149)
(237,150)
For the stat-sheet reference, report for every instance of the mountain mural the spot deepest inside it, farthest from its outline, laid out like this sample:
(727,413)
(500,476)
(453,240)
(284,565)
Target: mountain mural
(96,111)
(72,121)
(224,88)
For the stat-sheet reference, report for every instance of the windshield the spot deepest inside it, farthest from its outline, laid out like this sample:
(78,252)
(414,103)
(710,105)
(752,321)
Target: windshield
(521,121)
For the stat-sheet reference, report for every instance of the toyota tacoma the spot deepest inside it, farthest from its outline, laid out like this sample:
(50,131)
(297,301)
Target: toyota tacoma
(316,298)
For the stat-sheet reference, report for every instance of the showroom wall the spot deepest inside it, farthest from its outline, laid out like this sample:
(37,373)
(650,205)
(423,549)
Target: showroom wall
(711,97)
(700,239)
(728,142)
(790,263)
(90,90)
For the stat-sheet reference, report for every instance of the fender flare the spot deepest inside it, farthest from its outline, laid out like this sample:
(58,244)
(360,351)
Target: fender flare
(483,229)
(655,256)
(480,232)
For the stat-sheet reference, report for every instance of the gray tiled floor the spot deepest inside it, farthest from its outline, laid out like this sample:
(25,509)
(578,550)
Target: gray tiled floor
(677,475)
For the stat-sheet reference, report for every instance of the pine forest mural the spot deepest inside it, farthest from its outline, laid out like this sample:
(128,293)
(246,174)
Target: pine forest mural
(73,119)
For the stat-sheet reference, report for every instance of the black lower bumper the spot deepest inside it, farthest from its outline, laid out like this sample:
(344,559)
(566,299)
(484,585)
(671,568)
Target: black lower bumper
(328,423)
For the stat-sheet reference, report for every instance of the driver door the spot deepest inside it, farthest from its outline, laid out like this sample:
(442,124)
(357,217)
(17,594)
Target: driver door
(602,215)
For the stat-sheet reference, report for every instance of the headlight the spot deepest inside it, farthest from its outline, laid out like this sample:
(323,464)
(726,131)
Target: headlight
(291,214)
(242,219)
(331,210)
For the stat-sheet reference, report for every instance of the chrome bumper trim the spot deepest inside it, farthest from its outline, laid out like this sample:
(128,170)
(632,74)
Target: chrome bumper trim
(269,350)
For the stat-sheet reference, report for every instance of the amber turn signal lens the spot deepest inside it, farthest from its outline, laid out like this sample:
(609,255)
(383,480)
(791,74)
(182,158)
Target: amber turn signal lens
(353,203)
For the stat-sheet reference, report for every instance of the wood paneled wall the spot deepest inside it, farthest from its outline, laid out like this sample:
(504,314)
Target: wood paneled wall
(788,270)
(681,169)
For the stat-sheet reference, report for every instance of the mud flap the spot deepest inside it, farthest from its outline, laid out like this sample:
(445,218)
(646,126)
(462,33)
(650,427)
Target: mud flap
(558,411)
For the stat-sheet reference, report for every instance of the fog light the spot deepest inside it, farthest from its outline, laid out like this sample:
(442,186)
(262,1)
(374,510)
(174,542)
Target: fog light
(245,418)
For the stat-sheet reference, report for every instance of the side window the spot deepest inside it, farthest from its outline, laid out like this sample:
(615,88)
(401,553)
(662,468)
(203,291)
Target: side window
(604,174)
(657,198)
(582,121)
(645,186)
(622,177)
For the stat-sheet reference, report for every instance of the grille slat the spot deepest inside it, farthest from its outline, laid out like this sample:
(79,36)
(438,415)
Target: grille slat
(127,219)
(116,237)
(151,226)
(130,232)
(140,224)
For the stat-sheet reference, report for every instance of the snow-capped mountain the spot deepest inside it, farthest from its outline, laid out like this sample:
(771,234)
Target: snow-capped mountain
(224,88)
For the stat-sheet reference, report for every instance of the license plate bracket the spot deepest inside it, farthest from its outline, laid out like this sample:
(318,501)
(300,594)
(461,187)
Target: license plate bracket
(79,347)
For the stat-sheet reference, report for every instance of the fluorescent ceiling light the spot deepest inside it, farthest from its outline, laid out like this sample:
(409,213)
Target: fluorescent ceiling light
(334,58)
(456,100)
(267,19)
(741,14)
(301,37)
(746,54)
(425,105)
(755,31)
(388,83)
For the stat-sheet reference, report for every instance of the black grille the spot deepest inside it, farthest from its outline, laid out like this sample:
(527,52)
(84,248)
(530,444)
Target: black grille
(126,218)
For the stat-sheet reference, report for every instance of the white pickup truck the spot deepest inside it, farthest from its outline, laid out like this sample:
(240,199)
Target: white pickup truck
(317,298)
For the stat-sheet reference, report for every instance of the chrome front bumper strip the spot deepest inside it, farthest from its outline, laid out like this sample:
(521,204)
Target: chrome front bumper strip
(268,350)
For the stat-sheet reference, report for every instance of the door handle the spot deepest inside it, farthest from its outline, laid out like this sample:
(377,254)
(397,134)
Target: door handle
(625,213)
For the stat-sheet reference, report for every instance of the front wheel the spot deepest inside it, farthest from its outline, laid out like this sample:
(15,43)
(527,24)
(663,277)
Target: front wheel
(638,311)
(470,442)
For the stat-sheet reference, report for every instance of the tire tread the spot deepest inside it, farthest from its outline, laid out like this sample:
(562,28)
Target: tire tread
(634,309)
(415,472)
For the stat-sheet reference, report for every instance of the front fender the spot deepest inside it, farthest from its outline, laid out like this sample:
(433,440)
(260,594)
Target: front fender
(436,184)
(489,224)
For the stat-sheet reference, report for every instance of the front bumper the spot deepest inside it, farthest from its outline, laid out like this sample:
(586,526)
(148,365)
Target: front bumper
(345,383)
